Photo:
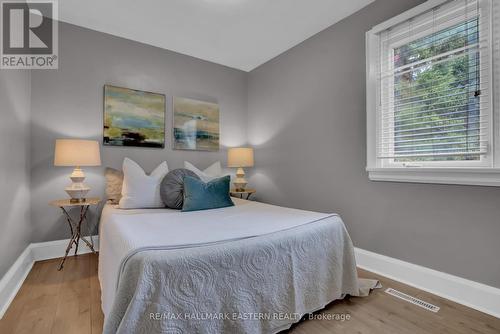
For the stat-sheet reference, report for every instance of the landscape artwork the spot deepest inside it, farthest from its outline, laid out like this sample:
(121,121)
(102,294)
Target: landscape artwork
(133,118)
(196,125)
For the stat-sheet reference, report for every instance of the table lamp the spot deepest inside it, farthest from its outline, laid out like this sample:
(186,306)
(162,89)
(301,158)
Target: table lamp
(240,157)
(77,153)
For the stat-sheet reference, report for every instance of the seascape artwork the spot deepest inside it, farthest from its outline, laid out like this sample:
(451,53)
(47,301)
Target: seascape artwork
(133,118)
(196,125)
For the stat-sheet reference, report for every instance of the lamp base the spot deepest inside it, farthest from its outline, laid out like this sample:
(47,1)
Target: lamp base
(77,200)
(77,196)
(240,183)
(78,190)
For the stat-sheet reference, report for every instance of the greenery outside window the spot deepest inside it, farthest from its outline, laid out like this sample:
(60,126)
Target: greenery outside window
(431,99)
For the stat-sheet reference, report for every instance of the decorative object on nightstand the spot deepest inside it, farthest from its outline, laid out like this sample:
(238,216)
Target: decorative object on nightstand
(248,192)
(240,157)
(77,153)
(76,227)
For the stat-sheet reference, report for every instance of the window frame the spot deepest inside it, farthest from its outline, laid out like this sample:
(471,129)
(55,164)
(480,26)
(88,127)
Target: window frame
(485,171)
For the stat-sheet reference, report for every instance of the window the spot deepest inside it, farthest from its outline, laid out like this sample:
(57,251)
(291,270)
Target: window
(431,109)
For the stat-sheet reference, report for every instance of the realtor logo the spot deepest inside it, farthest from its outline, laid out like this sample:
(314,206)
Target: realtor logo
(29,35)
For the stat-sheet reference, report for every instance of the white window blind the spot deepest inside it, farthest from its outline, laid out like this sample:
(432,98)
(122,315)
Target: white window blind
(434,79)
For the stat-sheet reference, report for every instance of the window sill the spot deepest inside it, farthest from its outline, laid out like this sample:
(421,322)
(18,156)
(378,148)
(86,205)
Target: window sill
(466,176)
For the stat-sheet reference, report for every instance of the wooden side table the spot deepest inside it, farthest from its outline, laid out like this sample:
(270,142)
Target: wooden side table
(247,192)
(76,227)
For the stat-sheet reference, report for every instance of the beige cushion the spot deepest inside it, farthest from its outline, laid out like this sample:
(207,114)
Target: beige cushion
(114,182)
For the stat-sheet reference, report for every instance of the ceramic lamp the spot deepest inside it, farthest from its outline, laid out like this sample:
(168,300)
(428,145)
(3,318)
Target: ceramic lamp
(240,157)
(77,153)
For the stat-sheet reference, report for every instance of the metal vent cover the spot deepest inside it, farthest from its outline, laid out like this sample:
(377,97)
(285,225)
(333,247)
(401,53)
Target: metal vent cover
(412,300)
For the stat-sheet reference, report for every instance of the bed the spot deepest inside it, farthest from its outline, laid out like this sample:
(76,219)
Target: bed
(251,268)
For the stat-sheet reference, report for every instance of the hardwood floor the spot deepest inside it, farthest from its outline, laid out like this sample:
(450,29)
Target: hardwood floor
(68,302)
(52,301)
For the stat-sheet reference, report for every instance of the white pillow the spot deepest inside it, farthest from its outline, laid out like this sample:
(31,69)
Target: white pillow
(141,191)
(212,172)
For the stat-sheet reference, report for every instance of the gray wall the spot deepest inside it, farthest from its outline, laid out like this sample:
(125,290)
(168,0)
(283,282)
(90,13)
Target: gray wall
(14,165)
(68,102)
(307,120)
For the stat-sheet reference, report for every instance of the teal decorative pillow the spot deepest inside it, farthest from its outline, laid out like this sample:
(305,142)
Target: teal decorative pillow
(199,195)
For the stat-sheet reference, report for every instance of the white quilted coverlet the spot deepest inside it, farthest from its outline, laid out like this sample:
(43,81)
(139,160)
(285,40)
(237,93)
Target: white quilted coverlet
(214,271)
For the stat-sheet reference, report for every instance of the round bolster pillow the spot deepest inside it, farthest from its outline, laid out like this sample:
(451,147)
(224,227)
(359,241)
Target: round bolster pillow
(172,187)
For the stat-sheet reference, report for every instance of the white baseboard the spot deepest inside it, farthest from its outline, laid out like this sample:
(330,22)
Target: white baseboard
(54,249)
(475,295)
(472,294)
(12,281)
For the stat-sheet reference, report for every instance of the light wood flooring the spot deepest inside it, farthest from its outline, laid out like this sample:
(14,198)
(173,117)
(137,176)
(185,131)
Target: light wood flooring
(68,302)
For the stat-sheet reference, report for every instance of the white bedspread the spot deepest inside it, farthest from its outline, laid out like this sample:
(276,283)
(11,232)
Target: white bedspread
(122,232)
(125,233)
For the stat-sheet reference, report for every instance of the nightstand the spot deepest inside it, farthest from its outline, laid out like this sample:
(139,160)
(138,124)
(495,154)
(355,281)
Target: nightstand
(74,226)
(247,192)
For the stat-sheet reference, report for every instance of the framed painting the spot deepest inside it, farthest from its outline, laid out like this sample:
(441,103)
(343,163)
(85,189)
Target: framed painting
(133,118)
(196,125)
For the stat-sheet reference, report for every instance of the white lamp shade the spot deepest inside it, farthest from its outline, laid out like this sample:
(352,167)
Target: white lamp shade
(76,152)
(240,157)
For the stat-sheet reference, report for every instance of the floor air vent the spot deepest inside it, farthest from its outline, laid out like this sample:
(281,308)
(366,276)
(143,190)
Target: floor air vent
(413,300)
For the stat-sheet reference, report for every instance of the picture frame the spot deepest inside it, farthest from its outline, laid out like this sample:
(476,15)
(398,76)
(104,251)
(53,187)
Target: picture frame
(133,118)
(196,125)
